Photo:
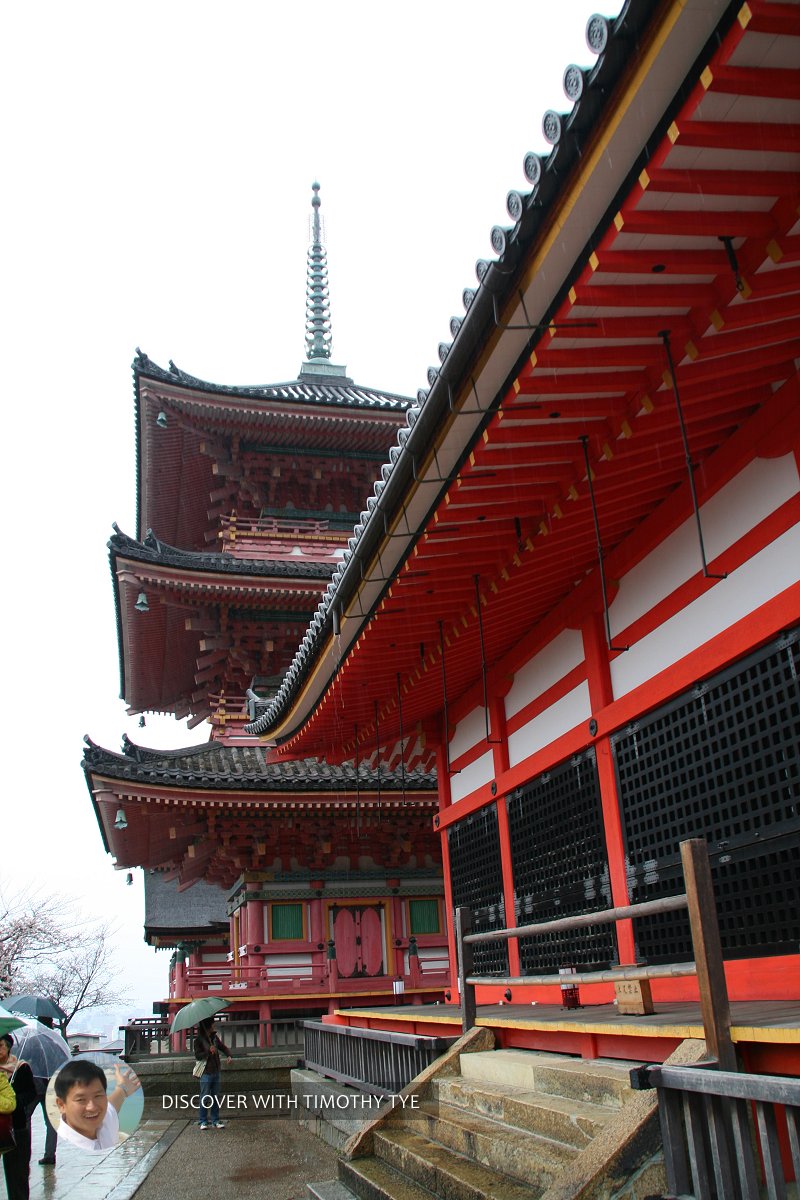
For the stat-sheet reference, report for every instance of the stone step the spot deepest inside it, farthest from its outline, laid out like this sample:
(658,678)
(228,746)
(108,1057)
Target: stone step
(520,1153)
(570,1121)
(330,1189)
(448,1174)
(372,1179)
(596,1081)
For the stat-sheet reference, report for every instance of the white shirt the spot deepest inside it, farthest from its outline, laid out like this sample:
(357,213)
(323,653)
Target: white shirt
(107,1134)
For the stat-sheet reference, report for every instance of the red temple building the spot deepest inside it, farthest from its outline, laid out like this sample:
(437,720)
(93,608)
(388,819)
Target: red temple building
(287,886)
(594,518)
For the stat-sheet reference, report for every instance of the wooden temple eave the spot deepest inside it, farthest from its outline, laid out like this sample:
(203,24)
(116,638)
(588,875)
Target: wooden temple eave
(690,306)
(203,633)
(219,836)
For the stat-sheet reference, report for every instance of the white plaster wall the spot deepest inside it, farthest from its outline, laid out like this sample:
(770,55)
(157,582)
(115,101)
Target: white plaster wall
(758,490)
(758,580)
(468,732)
(474,776)
(556,660)
(560,717)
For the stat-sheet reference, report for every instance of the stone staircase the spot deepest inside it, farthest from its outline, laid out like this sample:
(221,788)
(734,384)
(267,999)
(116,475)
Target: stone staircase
(505,1128)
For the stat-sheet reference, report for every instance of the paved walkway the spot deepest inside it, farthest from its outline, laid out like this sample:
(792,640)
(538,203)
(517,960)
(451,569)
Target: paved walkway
(115,1175)
(172,1160)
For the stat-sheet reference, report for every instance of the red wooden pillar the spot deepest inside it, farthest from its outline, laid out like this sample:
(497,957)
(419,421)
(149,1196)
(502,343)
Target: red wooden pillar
(443,778)
(601,693)
(265,1028)
(497,725)
(255,923)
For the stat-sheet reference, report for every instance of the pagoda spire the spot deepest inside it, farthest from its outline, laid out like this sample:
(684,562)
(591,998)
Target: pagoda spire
(318,310)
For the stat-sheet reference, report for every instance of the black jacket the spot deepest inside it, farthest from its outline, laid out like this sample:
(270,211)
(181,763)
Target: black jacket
(25,1091)
(209,1048)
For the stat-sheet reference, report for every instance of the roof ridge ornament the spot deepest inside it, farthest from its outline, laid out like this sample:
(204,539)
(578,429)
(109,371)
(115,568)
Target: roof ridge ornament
(319,339)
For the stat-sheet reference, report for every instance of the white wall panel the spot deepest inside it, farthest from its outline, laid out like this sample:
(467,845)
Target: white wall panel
(474,776)
(560,717)
(556,660)
(754,583)
(468,732)
(757,491)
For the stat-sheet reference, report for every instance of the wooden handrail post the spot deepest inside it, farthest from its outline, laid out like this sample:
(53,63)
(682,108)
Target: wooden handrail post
(465,964)
(714,1003)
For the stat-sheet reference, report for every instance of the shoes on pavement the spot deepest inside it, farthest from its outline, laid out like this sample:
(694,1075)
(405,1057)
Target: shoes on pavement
(204,1126)
(218,1125)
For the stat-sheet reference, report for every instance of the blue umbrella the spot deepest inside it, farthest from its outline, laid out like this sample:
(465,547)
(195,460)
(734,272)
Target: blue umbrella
(35,1006)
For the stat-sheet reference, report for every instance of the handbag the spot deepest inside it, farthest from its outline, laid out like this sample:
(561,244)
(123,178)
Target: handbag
(199,1068)
(7,1139)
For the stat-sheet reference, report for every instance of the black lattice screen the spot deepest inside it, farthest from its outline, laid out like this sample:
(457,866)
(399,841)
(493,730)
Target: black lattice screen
(721,762)
(477,882)
(558,853)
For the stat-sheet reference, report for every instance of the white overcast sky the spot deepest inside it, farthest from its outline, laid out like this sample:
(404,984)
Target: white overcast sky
(158,158)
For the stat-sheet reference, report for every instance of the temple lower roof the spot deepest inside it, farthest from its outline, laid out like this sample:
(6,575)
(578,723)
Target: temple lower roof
(154,551)
(238,768)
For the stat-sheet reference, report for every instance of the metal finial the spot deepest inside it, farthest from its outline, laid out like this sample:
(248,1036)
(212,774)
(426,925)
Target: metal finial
(318,312)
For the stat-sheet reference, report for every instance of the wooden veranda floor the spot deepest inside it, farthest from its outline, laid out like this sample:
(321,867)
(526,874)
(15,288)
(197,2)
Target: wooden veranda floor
(764,1021)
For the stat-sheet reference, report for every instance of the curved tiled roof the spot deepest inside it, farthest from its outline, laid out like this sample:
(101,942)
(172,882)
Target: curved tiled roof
(238,768)
(152,550)
(330,391)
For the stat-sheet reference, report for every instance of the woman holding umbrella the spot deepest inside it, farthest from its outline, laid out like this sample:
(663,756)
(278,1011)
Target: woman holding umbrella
(17,1162)
(207,1046)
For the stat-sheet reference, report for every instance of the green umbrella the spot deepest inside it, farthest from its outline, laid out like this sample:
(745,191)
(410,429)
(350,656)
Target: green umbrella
(8,1023)
(197,1011)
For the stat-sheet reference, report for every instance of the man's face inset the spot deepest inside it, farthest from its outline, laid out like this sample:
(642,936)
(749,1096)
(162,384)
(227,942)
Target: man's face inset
(84,1107)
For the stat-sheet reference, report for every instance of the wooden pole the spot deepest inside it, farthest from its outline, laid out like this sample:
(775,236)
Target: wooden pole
(465,968)
(714,1003)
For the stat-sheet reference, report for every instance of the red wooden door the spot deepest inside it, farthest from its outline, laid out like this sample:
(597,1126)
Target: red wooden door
(357,932)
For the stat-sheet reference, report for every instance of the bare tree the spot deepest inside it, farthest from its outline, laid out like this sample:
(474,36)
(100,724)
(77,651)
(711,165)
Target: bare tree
(84,975)
(30,935)
(46,950)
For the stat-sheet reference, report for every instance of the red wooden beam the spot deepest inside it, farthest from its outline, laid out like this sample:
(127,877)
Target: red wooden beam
(773,82)
(737,135)
(766,17)
(720,183)
(632,295)
(689,222)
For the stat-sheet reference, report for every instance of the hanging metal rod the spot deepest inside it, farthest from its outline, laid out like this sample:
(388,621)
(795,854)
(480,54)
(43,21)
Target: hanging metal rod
(402,747)
(444,701)
(358,782)
(480,411)
(489,740)
(584,441)
(378,757)
(664,335)
(533,326)
(733,262)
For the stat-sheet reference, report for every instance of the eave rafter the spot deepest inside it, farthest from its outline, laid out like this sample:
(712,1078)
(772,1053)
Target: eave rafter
(698,265)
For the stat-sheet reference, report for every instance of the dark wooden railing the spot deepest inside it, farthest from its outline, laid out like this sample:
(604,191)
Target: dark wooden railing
(372,1060)
(708,964)
(146,1038)
(708,1135)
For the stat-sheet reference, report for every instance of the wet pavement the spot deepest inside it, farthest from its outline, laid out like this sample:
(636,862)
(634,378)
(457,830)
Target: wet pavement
(268,1158)
(114,1175)
(167,1159)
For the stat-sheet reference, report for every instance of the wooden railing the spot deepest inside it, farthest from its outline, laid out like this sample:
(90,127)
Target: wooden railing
(708,964)
(145,1038)
(372,1060)
(708,1136)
